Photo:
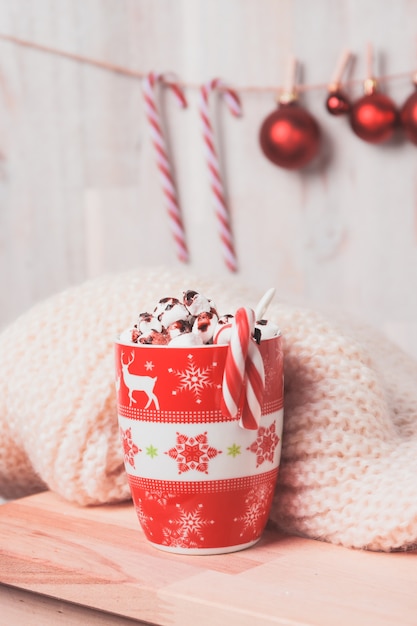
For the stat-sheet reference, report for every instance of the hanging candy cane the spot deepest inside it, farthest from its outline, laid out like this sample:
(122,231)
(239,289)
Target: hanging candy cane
(162,159)
(244,375)
(221,210)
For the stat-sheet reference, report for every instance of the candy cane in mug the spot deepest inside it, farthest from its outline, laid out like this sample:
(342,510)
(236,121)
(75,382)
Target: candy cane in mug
(234,369)
(244,376)
(254,388)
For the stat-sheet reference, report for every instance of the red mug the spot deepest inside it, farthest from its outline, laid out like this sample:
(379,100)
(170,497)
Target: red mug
(200,482)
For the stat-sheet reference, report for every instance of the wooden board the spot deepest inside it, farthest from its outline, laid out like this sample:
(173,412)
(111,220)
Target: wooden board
(69,557)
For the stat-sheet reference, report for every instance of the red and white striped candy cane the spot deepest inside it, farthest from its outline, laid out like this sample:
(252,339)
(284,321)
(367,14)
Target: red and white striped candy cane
(162,158)
(244,375)
(217,187)
(255,387)
(234,368)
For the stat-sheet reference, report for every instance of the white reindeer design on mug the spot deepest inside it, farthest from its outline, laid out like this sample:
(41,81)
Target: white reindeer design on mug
(134,382)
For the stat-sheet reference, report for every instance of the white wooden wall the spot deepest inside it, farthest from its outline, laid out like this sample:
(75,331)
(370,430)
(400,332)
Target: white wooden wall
(79,190)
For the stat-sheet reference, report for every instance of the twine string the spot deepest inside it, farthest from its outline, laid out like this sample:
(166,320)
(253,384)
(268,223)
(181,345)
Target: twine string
(128,72)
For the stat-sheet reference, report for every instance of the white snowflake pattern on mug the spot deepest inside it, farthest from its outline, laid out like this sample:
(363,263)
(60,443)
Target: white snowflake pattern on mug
(193,379)
(256,507)
(187,530)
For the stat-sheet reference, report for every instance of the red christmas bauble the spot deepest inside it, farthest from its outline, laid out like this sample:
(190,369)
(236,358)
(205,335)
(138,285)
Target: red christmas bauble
(290,136)
(374,117)
(337,103)
(408,116)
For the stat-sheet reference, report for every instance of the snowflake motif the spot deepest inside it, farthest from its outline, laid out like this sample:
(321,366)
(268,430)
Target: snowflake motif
(192,453)
(174,539)
(194,379)
(265,444)
(149,366)
(234,450)
(160,497)
(271,365)
(151,451)
(130,449)
(256,509)
(187,529)
(143,518)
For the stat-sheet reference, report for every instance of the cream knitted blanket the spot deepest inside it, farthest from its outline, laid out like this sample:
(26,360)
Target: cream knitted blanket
(349,458)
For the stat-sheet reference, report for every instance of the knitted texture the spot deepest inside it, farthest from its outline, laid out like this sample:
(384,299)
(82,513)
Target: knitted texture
(349,455)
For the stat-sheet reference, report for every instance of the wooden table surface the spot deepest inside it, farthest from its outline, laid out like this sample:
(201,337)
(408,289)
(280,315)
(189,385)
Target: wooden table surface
(60,564)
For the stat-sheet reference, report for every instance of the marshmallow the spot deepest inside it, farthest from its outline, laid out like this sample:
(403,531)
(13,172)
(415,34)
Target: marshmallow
(266,329)
(180,327)
(170,310)
(154,338)
(223,329)
(205,324)
(197,303)
(130,335)
(186,339)
(148,322)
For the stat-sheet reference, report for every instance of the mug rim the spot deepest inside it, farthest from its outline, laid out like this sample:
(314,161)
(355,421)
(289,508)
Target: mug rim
(131,344)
